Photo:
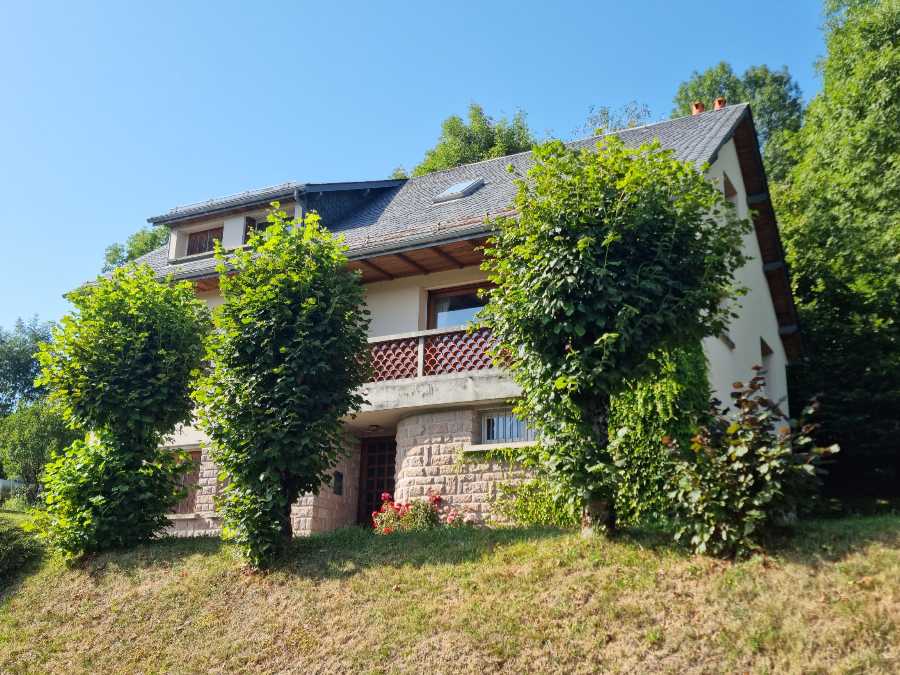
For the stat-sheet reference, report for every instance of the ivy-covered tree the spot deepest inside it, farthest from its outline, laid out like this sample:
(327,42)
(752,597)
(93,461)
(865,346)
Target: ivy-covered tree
(120,367)
(840,218)
(482,138)
(287,360)
(615,255)
(143,241)
(773,95)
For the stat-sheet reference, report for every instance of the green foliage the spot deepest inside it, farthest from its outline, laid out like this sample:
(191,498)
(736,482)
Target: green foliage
(606,118)
(840,219)
(18,366)
(143,241)
(286,365)
(101,495)
(17,548)
(616,254)
(534,502)
(482,138)
(399,172)
(120,367)
(28,437)
(746,472)
(774,98)
(672,401)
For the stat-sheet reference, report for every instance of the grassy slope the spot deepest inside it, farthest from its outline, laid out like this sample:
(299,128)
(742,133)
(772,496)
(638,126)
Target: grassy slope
(468,601)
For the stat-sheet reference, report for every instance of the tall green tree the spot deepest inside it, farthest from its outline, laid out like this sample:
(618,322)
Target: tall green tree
(287,361)
(28,438)
(18,365)
(481,138)
(143,241)
(120,366)
(840,218)
(773,96)
(616,254)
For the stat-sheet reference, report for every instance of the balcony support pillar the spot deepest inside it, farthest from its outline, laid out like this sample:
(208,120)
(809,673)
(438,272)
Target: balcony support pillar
(421,356)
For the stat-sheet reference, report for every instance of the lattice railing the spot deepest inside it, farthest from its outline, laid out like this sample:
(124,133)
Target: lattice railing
(431,352)
(395,359)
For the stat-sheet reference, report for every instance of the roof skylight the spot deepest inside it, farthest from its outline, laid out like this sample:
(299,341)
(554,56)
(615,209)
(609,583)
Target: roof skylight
(459,190)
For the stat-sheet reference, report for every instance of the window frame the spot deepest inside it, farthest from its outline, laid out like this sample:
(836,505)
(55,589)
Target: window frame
(450,292)
(191,237)
(529,435)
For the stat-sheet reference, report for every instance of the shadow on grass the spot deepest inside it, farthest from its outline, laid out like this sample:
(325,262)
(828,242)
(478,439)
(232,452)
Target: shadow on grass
(346,552)
(831,540)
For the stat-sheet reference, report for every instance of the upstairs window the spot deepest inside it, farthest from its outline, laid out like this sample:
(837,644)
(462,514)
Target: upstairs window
(501,426)
(449,307)
(250,226)
(203,241)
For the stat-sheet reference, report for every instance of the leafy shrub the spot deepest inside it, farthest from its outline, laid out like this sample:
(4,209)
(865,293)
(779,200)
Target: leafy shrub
(534,502)
(120,367)
(100,496)
(286,367)
(28,437)
(672,401)
(743,476)
(17,547)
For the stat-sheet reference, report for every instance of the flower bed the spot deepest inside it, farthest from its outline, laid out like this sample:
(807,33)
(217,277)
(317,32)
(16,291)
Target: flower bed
(416,516)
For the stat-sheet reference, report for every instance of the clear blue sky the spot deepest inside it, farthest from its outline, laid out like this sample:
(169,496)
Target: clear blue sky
(114,112)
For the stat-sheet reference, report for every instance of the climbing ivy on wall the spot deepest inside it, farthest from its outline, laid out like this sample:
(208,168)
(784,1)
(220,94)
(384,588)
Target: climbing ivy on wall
(671,401)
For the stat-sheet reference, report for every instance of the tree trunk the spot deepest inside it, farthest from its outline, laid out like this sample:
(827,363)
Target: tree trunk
(598,514)
(287,530)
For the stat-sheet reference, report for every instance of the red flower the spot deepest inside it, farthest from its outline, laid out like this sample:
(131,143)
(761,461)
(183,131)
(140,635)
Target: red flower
(388,530)
(385,496)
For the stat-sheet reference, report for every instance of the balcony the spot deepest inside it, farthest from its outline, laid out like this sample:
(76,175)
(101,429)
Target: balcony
(441,351)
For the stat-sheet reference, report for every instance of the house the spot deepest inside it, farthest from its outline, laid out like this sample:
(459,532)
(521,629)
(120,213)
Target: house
(435,395)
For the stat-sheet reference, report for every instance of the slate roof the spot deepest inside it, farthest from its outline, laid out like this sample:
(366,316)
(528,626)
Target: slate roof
(396,216)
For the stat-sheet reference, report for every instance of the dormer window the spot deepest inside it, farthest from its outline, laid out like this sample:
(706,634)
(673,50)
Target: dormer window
(203,241)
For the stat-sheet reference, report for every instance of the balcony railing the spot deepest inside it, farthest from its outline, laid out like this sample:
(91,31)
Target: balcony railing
(430,352)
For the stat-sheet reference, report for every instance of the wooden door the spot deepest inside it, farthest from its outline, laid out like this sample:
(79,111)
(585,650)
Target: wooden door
(376,475)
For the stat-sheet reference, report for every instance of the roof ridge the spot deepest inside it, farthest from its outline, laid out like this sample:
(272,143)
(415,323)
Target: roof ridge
(582,140)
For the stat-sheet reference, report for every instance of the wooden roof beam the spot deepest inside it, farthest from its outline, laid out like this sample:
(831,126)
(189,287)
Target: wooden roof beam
(412,263)
(373,266)
(446,256)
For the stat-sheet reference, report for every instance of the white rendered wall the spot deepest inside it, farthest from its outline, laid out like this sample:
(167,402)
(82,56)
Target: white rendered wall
(401,305)
(756,314)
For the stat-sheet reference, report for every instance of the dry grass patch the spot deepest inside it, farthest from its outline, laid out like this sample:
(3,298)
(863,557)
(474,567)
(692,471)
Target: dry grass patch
(467,601)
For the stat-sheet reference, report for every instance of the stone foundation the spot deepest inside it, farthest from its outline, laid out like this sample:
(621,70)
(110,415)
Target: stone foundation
(430,459)
(312,513)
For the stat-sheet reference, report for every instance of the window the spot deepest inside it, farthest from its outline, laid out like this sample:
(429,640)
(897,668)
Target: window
(189,481)
(203,241)
(458,306)
(337,487)
(459,190)
(501,426)
(730,191)
(250,226)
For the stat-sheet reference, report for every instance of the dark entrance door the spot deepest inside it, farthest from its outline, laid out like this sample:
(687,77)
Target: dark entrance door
(376,474)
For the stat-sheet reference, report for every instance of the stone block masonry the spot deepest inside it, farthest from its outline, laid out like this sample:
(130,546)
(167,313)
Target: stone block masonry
(312,513)
(430,459)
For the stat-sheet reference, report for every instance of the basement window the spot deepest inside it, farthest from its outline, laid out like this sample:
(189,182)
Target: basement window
(502,426)
(203,241)
(459,190)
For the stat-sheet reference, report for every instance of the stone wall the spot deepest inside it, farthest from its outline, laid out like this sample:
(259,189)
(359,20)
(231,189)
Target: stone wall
(430,460)
(327,511)
(312,513)
(204,521)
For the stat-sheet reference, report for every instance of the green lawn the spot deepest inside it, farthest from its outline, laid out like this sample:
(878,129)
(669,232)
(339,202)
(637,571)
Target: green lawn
(468,601)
